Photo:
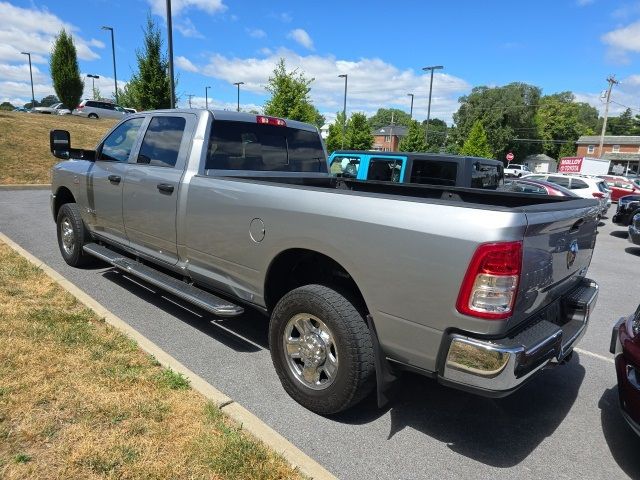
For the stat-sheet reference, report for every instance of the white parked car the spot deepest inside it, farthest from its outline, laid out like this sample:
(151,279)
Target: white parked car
(55,109)
(516,170)
(582,185)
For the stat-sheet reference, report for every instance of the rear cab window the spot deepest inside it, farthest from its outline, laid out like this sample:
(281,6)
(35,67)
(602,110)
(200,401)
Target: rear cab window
(249,146)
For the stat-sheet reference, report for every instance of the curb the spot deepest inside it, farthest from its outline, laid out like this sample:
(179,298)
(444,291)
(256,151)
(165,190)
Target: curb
(249,422)
(26,186)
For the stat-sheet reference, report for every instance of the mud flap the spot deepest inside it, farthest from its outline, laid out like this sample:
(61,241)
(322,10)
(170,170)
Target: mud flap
(384,373)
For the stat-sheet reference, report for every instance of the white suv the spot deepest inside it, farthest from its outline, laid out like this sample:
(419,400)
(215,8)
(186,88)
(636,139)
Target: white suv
(515,170)
(99,109)
(583,186)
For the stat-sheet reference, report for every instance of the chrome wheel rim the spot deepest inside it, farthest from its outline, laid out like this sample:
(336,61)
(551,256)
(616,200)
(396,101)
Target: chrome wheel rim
(66,235)
(311,351)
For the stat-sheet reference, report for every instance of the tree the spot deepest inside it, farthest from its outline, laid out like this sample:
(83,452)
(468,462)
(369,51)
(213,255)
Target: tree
(6,106)
(148,88)
(334,139)
(477,144)
(97,95)
(621,125)
(126,97)
(65,73)
(290,96)
(437,134)
(413,141)
(358,135)
(506,113)
(386,116)
(49,100)
(560,118)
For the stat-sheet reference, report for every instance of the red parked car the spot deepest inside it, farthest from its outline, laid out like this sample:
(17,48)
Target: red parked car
(625,345)
(620,187)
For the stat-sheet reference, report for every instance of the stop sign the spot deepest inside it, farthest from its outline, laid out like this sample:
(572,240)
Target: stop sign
(510,156)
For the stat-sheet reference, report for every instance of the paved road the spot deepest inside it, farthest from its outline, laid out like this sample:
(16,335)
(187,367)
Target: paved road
(564,424)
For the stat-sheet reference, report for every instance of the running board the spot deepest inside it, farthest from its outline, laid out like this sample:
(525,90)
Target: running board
(180,289)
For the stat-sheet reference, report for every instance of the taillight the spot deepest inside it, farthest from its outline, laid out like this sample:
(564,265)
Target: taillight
(490,285)
(598,194)
(278,122)
(79,107)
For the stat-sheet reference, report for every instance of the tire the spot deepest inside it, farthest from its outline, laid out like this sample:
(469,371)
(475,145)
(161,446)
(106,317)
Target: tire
(346,375)
(92,115)
(72,235)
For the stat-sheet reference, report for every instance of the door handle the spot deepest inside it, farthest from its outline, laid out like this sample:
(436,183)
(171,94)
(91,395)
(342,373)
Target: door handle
(114,178)
(165,187)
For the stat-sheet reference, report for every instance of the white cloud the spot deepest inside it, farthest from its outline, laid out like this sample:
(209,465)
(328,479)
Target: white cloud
(302,37)
(159,7)
(33,30)
(256,32)
(584,3)
(188,29)
(20,73)
(372,83)
(284,17)
(185,64)
(621,41)
(200,102)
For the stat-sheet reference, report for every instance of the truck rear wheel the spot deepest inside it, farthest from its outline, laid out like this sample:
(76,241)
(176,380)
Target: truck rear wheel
(321,349)
(72,235)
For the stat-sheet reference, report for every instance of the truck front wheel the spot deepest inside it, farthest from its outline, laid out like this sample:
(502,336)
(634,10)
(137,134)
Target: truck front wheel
(321,349)
(72,235)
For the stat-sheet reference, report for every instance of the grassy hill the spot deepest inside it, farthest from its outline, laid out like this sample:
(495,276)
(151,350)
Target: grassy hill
(24,143)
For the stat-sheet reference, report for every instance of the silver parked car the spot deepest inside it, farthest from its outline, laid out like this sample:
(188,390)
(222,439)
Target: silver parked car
(55,109)
(99,109)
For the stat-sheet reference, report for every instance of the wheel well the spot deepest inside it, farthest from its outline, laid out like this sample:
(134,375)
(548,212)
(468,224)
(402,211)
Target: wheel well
(63,195)
(297,267)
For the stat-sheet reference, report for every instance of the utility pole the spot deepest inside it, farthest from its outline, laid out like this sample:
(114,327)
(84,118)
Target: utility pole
(238,85)
(411,111)
(170,45)
(190,95)
(432,68)
(33,97)
(612,81)
(391,149)
(344,109)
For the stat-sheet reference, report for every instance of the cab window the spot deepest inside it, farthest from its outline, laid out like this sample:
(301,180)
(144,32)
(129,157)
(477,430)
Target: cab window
(434,172)
(345,166)
(117,146)
(161,143)
(384,169)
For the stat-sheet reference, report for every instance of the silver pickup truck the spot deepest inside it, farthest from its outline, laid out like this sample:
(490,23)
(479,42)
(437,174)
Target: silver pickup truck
(359,279)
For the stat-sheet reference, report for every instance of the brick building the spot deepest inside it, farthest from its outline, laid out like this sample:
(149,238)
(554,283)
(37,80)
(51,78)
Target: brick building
(622,150)
(386,139)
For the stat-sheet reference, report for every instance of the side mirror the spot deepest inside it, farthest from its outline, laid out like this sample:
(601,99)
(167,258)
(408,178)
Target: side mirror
(60,144)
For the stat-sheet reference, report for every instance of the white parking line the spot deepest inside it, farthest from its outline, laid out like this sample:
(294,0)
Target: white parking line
(594,355)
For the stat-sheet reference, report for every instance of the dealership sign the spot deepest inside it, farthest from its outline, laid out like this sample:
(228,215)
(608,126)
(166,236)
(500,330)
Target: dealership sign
(570,164)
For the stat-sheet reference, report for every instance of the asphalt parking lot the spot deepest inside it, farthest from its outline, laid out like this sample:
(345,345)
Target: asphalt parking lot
(563,424)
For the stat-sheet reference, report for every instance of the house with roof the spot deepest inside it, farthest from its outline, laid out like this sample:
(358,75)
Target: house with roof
(623,151)
(387,139)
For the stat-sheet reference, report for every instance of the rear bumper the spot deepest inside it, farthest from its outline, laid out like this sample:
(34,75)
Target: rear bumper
(496,368)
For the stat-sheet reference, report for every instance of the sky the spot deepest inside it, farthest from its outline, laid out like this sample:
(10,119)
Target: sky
(557,45)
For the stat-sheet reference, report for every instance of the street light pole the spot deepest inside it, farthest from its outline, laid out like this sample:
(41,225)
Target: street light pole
(113,52)
(93,84)
(170,44)
(411,111)
(206,98)
(344,109)
(238,84)
(33,97)
(432,68)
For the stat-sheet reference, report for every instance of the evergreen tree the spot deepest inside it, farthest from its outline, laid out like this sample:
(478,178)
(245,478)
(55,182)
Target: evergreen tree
(65,73)
(148,88)
(290,96)
(413,141)
(358,136)
(476,144)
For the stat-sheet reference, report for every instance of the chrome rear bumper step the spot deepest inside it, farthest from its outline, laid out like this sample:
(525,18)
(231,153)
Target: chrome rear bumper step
(194,295)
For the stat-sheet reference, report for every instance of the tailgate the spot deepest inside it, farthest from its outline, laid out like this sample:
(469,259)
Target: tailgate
(557,249)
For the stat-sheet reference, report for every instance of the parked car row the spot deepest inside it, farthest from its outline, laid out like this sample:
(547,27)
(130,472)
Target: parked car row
(86,108)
